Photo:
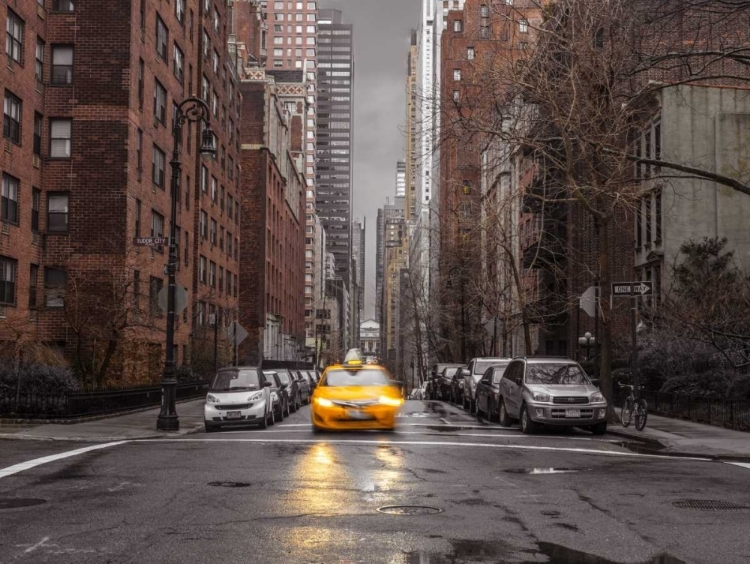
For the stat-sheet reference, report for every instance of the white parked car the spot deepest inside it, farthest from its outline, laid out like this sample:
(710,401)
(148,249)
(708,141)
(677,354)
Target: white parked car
(239,396)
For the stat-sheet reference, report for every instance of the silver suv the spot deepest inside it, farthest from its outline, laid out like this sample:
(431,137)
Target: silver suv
(550,391)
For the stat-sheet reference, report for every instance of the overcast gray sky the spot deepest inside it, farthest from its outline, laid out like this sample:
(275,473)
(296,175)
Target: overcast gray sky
(381,46)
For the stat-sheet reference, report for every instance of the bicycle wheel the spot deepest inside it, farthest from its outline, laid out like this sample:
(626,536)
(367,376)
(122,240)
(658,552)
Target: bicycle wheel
(641,414)
(627,413)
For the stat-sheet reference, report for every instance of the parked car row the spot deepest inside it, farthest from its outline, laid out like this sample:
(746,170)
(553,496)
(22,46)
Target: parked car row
(535,391)
(248,395)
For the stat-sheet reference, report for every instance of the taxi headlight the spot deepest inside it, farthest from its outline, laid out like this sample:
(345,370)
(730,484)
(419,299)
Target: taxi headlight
(212,399)
(323,402)
(393,402)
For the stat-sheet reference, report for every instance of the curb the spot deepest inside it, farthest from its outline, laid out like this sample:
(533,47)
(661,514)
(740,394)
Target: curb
(99,439)
(665,449)
(643,439)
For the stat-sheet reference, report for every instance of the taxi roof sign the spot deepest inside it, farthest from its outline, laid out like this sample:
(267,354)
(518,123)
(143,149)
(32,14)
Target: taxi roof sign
(354,356)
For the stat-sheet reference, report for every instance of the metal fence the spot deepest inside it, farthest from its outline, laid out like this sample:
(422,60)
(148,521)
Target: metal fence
(732,414)
(73,405)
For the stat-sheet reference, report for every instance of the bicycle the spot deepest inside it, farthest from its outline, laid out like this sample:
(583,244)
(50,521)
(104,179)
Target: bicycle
(639,406)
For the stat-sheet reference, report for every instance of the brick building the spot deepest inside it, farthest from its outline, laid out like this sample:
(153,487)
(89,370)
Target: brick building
(87,158)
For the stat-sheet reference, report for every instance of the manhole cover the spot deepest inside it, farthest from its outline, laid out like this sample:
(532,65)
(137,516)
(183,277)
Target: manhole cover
(230,484)
(409,510)
(16,502)
(709,505)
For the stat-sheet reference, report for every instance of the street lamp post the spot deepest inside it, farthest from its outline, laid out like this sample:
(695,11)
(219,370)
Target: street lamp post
(588,341)
(189,110)
(449,285)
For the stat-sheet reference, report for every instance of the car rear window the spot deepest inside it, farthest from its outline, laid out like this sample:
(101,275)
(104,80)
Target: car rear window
(365,377)
(284,377)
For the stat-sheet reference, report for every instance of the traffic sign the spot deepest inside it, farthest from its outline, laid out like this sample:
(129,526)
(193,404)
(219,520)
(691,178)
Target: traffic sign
(180,299)
(588,301)
(150,241)
(629,289)
(236,333)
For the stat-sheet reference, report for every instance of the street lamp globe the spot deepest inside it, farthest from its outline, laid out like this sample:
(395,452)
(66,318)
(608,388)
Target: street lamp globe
(208,145)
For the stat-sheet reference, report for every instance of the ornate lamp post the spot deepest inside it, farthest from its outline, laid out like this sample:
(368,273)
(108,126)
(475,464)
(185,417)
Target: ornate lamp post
(588,342)
(190,110)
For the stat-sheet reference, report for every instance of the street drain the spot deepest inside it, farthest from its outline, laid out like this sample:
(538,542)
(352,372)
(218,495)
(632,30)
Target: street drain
(17,502)
(409,510)
(229,484)
(537,471)
(709,505)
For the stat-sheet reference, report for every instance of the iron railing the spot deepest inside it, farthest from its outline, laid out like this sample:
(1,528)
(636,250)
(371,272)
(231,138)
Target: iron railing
(72,405)
(731,414)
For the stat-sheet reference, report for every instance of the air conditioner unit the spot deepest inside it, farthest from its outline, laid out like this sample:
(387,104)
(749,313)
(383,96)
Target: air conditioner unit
(36,161)
(3,314)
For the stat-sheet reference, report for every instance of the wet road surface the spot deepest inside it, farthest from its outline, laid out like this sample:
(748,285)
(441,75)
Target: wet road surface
(445,487)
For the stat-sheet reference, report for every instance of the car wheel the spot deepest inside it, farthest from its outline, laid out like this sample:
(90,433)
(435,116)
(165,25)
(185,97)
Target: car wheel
(599,428)
(210,427)
(505,420)
(490,410)
(288,413)
(264,422)
(280,413)
(271,418)
(472,406)
(316,430)
(528,426)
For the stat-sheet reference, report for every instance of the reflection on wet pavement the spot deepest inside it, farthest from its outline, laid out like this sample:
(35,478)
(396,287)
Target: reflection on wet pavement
(491,552)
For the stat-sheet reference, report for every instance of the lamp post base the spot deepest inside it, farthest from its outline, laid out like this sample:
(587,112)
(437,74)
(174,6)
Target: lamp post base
(168,419)
(168,423)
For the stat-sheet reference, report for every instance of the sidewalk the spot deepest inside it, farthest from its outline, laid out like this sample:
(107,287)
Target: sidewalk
(675,436)
(140,425)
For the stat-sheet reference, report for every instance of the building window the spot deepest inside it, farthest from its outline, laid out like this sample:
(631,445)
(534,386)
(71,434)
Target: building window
(162,38)
(456,95)
(212,274)
(36,198)
(60,138)
(12,118)
(456,75)
(137,218)
(229,244)
(458,26)
(14,37)
(37,134)
(230,205)
(470,53)
(216,62)
(55,280)
(33,282)
(8,275)
(523,26)
(160,103)
(178,63)
(484,33)
(658,214)
(179,10)
(157,170)
(203,225)
(139,152)
(154,287)
(206,43)
(485,11)
(62,64)
(140,83)
(187,248)
(62,5)
(157,224)
(213,232)
(214,189)
(9,207)
(202,269)
(217,20)
(39,66)
(57,213)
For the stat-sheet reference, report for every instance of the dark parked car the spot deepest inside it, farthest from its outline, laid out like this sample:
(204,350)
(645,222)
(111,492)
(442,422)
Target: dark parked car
(445,379)
(472,375)
(435,386)
(457,386)
(310,374)
(295,399)
(488,391)
(304,386)
(282,392)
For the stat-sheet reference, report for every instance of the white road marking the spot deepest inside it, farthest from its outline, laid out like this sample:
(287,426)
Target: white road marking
(429,443)
(740,464)
(16,468)
(37,545)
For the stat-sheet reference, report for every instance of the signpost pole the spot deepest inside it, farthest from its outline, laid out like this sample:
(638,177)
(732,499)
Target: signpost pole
(597,359)
(216,343)
(634,328)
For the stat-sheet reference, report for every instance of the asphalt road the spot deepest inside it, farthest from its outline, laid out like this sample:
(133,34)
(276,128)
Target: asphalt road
(286,495)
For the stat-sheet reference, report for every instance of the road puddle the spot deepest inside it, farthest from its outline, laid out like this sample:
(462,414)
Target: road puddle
(541,471)
(18,502)
(479,552)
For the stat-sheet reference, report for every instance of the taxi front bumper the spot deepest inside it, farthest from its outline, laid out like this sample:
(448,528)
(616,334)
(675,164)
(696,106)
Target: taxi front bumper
(341,415)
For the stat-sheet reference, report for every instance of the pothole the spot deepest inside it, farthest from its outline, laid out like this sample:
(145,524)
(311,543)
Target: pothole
(709,505)
(539,471)
(409,510)
(229,484)
(19,502)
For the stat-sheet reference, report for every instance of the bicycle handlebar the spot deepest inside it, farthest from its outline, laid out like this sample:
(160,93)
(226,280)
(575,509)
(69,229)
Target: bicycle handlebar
(631,386)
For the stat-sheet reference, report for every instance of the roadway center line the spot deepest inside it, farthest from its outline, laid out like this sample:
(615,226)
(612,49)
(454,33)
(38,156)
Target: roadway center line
(429,444)
(16,468)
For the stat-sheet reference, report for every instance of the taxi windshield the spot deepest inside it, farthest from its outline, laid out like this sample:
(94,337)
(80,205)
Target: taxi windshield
(363,377)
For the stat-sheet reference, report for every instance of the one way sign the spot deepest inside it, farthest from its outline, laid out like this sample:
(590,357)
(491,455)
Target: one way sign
(628,289)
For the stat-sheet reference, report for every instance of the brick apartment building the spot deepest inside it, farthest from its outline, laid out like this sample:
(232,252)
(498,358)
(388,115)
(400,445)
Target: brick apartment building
(478,39)
(85,170)
(272,306)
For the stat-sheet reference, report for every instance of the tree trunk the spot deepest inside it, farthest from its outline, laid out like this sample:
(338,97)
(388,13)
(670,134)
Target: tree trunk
(605,276)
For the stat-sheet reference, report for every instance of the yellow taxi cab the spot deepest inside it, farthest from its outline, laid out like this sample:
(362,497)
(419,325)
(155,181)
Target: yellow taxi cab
(355,395)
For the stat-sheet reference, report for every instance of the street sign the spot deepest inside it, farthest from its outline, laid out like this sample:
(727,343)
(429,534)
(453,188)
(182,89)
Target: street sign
(236,333)
(180,299)
(629,289)
(588,301)
(150,241)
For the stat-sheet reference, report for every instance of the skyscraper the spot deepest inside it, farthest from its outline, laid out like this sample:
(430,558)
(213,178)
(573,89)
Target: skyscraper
(334,151)
(401,179)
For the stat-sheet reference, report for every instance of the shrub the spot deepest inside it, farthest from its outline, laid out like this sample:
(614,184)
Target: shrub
(37,378)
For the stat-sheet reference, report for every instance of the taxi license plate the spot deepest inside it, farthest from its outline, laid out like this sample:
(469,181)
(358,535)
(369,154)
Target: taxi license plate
(358,415)
(234,415)
(573,413)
